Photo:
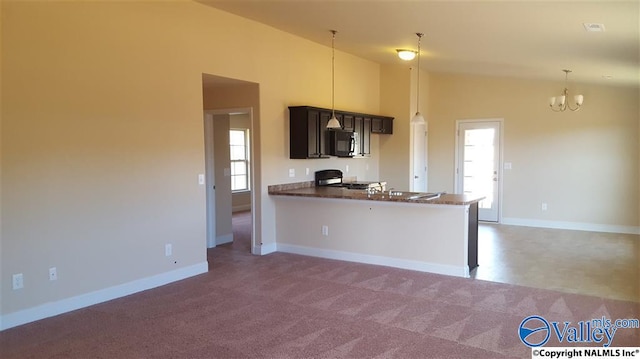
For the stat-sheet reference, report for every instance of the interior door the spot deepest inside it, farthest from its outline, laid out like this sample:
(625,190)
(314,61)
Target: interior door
(419,180)
(478,167)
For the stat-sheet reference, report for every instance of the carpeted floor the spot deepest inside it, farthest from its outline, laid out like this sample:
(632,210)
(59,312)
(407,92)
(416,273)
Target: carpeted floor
(290,306)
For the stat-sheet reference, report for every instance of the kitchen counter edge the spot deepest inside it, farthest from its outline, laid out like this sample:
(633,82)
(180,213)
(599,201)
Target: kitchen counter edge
(308,189)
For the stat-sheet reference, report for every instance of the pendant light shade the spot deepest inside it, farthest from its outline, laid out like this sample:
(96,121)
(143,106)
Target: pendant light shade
(333,121)
(418,119)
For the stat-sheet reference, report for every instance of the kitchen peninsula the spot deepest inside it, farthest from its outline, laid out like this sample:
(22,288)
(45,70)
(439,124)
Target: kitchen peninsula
(435,233)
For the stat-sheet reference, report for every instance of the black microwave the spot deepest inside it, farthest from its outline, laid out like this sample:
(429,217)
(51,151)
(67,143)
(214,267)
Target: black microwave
(342,143)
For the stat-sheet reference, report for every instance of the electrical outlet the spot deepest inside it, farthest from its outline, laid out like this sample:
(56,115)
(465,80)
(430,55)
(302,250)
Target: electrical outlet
(325,230)
(346,168)
(168,250)
(53,273)
(544,206)
(18,281)
(306,171)
(292,172)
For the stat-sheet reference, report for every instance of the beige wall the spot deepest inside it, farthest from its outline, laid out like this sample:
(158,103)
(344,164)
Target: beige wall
(395,95)
(583,164)
(424,237)
(224,226)
(102,137)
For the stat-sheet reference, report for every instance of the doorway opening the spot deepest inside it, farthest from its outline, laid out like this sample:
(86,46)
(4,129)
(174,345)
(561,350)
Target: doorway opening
(229,176)
(479,164)
(221,97)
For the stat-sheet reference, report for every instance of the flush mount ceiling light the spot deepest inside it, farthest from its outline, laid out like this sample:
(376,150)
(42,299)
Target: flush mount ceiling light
(559,103)
(418,119)
(333,122)
(406,55)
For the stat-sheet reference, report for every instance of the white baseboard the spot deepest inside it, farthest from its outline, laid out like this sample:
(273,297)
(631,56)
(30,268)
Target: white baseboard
(84,300)
(227,238)
(462,271)
(579,226)
(268,248)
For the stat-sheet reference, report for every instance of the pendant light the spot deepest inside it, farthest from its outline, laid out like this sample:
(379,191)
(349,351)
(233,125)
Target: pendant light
(333,122)
(418,119)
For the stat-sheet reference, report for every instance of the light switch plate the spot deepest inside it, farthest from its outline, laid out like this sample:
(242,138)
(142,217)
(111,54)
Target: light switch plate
(200,179)
(507,165)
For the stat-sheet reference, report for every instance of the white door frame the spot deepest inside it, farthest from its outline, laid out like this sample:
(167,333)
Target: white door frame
(457,172)
(209,176)
(210,172)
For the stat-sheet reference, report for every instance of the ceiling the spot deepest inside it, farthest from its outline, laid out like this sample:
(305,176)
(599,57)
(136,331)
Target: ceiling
(533,39)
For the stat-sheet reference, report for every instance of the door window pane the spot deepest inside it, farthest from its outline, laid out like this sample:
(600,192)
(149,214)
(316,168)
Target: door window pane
(478,164)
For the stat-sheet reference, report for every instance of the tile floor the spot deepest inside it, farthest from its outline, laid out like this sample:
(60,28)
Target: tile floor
(606,265)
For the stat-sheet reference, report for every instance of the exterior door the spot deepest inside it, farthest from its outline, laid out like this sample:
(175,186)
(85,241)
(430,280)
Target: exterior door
(478,167)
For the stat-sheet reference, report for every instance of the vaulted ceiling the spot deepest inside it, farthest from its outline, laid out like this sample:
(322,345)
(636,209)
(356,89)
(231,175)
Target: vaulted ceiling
(528,39)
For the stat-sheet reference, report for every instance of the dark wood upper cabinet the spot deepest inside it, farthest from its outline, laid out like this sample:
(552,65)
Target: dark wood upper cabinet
(307,137)
(308,130)
(382,125)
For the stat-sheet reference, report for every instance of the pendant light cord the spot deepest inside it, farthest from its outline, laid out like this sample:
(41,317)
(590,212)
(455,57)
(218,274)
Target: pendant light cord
(333,73)
(418,79)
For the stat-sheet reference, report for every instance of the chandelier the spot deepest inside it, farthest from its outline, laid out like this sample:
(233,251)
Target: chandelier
(560,103)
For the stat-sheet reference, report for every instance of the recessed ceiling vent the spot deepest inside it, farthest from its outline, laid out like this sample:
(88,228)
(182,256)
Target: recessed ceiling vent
(593,27)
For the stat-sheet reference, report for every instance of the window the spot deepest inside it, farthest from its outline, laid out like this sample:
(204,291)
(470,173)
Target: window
(239,142)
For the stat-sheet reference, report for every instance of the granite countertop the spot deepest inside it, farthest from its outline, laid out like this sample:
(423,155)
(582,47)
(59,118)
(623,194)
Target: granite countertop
(307,189)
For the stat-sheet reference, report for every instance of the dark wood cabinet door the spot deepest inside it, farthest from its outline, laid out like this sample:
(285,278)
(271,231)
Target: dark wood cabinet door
(362,126)
(366,137)
(383,125)
(306,133)
(323,140)
(313,143)
(348,122)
